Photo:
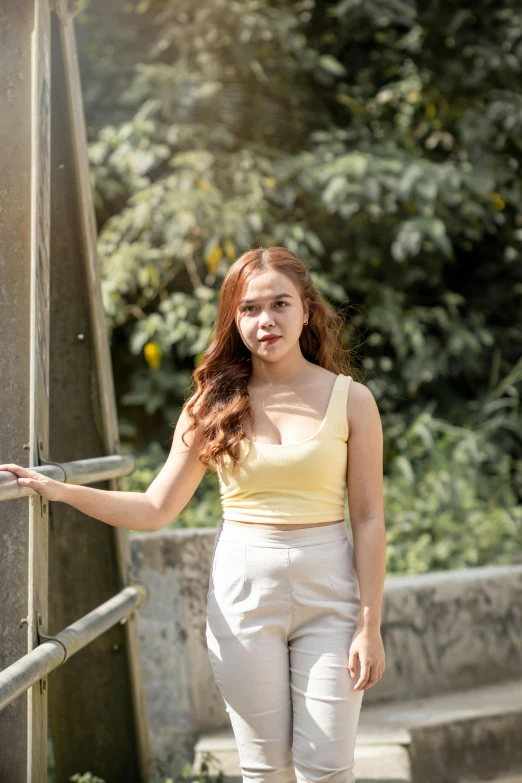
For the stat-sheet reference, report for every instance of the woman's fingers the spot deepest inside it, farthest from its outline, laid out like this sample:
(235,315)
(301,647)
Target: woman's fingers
(45,486)
(369,674)
(363,676)
(17,469)
(25,475)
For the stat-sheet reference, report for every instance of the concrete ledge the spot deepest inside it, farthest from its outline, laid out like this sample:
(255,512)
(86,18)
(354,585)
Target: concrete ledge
(450,630)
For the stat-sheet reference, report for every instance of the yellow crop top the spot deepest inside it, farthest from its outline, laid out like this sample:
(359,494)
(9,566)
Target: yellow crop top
(296,483)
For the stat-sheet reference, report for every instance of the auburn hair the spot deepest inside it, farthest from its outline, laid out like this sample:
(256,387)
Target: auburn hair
(220,403)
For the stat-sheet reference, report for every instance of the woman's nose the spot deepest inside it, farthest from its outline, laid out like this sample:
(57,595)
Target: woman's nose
(266,318)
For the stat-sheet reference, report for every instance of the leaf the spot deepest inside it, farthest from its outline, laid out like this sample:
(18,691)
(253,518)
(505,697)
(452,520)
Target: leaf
(332,65)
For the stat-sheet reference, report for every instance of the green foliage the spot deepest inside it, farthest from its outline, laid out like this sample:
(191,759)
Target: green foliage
(204,508)
(186,774)
(87,777)
(380,142)
(451,491)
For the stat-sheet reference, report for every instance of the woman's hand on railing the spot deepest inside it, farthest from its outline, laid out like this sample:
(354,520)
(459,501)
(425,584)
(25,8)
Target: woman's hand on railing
(45,486)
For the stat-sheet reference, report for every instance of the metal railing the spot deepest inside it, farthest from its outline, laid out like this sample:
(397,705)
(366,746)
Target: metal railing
(81,471)
(53,651)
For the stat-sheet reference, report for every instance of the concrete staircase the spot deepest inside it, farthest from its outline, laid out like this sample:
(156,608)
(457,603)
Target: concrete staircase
(460,737)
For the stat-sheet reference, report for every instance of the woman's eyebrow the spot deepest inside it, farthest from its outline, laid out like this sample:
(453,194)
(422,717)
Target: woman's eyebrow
(277,296)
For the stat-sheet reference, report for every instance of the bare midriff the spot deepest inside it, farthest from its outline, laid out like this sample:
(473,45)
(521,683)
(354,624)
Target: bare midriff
(279,527)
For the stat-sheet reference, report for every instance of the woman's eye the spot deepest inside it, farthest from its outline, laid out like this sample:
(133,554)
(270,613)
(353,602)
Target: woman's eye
(248,308)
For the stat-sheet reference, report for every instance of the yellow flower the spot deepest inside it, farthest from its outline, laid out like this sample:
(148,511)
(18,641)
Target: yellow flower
(431,110)
(152,353)
(497,200)
(230,250)
(213,258)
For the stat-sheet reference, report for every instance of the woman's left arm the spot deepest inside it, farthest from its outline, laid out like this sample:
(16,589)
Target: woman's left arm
(366,507)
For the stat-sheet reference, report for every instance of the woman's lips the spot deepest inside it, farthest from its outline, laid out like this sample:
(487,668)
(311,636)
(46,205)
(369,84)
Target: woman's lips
(269,342)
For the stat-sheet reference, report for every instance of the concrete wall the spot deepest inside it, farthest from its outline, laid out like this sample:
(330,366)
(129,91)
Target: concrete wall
(442,631)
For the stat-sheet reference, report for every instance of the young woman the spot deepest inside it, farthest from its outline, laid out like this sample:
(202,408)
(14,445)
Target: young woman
(293,611)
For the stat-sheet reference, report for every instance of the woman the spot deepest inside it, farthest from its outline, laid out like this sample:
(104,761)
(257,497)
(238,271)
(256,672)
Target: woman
(293,611)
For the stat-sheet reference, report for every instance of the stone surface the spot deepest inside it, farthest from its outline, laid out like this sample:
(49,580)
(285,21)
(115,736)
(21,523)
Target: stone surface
(378,762)
(182,697)
(450,630)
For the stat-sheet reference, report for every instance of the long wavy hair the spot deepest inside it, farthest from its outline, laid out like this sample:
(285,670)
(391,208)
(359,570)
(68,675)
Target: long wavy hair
(220,401)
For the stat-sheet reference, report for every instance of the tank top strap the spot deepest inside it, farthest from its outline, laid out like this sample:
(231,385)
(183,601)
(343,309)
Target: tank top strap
(336,422)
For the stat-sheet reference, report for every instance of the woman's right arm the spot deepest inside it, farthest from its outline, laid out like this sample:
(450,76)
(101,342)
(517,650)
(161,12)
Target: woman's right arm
(151,510)
(178,479)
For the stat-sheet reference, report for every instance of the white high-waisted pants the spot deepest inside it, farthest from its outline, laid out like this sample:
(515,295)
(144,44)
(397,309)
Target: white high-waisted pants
(282,609)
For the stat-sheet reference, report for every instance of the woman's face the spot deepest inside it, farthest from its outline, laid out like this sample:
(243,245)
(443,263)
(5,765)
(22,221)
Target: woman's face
(273,307)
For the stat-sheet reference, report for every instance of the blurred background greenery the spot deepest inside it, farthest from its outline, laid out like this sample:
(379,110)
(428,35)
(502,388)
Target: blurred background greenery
(381,143)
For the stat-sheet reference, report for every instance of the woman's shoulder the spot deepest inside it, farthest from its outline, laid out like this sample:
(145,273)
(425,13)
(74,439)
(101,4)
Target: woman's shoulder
(361,404)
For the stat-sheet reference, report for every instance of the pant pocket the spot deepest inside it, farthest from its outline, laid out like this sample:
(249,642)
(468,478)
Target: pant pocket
(350,545)
(339,558)
(212,563)
(227,576)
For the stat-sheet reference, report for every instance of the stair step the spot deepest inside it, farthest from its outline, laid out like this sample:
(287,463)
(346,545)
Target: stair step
(472,735)
(503,779)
